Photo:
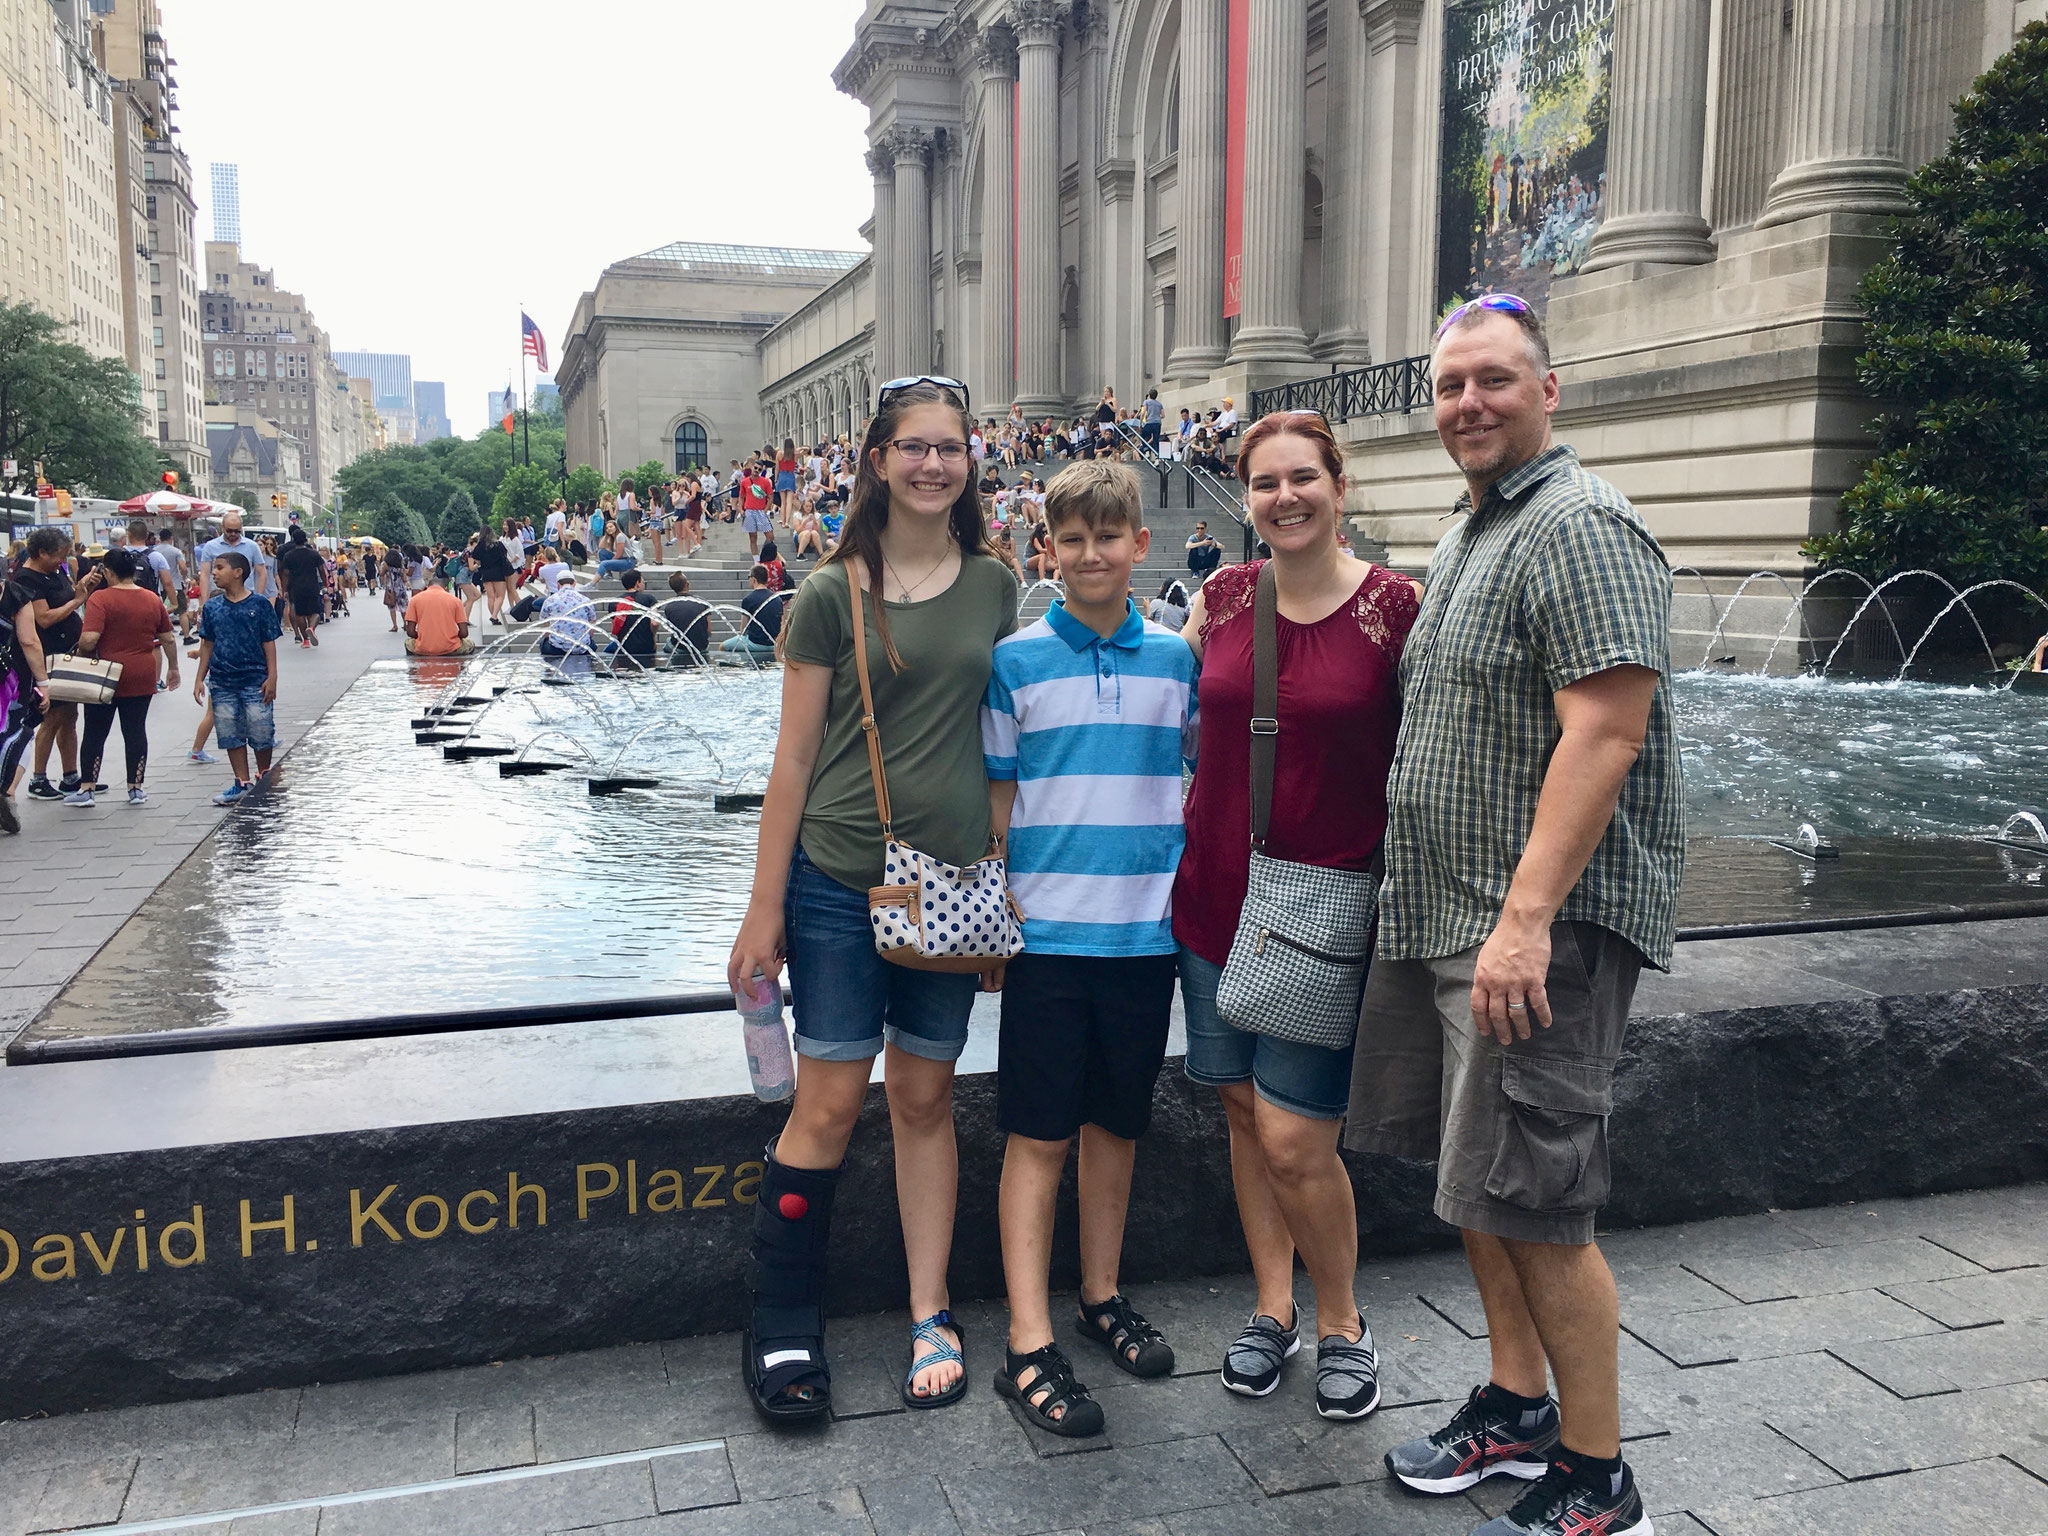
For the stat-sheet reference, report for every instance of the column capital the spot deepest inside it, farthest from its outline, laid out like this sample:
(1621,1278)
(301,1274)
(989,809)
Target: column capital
(881,158)
(909,144)
(1391,23)
(1091,24)
(995,56)
(1037,23)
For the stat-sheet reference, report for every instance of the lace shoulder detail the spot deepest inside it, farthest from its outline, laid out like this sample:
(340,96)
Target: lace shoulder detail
(1386,607)
(1228,593)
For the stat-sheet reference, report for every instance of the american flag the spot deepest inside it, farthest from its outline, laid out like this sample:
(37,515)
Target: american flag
(535,345)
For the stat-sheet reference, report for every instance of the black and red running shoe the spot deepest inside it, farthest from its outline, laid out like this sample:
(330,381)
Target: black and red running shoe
(1483,1437)
(1568,1502)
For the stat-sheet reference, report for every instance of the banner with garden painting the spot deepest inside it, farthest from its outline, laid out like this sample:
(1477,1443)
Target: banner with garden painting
(1523,171)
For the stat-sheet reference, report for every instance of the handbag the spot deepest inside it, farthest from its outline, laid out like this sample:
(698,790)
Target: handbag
(927,914)
(1304,936)
(82,679)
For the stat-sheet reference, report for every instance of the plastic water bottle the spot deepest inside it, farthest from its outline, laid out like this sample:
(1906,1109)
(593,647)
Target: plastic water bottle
(768,1060)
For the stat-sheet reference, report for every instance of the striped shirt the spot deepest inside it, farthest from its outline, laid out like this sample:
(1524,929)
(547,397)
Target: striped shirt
(1094,732)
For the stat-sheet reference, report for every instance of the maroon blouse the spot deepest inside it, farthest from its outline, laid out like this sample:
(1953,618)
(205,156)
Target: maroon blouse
(1340,708)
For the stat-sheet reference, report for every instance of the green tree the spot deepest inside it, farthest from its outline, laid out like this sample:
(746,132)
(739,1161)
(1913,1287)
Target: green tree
(398,524)
(243,497)
(653,472)
(74,413)
(1958,313)
(525,491)
(459,520)
(408,473)
(586,485)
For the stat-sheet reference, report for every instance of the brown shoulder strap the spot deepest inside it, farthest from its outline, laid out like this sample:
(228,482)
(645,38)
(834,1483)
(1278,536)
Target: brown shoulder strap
(867,696)
(1265,701)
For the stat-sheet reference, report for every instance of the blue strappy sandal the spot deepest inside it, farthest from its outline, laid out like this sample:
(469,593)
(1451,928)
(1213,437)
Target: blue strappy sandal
(937,1352)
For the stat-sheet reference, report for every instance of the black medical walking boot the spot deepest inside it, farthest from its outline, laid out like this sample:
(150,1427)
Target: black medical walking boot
(782,1352)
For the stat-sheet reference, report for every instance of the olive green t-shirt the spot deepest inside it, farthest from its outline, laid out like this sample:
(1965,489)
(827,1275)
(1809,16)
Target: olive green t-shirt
(928,716)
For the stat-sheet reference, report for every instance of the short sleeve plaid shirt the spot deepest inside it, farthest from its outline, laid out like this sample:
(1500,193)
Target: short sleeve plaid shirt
(1553,579)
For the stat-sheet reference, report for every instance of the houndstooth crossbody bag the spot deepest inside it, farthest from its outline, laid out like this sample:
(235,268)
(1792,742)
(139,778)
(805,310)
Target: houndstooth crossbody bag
(927,914)
(1304,936)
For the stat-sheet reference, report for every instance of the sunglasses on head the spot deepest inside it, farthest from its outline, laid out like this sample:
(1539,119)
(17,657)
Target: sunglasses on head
(1505,303)
(897,386)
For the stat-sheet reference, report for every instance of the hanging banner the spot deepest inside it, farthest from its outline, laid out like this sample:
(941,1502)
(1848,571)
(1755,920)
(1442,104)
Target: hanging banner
(1237,64)
(1522,180)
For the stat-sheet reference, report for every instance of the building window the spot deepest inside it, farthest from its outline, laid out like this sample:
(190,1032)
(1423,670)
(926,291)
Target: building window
(156,273)
(693,448)
(158,332)
(149,203)
(163,400)
(156,304)
(160,373)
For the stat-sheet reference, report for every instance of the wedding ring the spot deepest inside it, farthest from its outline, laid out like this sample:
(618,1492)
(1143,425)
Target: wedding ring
(1516,1007)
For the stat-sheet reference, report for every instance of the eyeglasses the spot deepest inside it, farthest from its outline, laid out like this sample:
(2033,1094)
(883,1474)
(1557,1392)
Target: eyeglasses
(1505,303)
(916,450)
(897,386)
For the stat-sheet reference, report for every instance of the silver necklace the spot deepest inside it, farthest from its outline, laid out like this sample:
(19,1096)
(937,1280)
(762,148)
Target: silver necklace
(903,589)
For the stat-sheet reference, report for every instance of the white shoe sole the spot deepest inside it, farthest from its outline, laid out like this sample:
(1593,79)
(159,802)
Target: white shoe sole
(1527,1471)
(1351,1413)
(1271,1387)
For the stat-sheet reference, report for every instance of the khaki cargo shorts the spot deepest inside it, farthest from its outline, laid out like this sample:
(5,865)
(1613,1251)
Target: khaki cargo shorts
(1518,1133)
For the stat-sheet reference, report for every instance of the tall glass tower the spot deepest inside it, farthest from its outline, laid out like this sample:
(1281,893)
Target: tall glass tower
(227,201)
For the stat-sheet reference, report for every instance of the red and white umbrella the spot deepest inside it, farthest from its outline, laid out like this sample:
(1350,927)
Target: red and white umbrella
(167,504)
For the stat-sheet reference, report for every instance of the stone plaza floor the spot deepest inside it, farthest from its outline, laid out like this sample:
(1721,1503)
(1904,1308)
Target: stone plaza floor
(1872,1368)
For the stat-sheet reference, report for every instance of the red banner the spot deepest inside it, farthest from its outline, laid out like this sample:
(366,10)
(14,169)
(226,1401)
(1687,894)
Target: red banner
(1237,52)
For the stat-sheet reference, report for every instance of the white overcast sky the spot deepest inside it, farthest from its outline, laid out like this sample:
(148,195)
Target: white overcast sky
(419,169)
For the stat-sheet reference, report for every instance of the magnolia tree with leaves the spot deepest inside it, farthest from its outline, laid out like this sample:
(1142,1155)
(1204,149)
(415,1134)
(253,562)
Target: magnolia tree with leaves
(1958,347)
(397,524)
(525,491)
(74,413)
(585,486)
(459,521)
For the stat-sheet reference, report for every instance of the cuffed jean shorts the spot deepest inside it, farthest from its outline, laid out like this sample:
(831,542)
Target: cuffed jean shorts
(1308,1080)
(849,1000)
(241,718)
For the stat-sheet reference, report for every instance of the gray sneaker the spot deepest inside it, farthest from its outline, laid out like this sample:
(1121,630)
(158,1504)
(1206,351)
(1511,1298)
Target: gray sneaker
(1347,1377)
(1251,1368)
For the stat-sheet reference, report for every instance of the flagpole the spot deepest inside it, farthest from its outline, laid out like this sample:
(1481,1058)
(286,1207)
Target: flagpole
(525,427)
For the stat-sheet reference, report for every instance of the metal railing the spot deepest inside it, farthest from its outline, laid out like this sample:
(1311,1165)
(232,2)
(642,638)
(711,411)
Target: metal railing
(1228,502)
(1383,389)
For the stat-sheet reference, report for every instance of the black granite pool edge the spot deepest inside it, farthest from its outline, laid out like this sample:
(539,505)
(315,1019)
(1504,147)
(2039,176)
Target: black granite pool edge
(162,1275)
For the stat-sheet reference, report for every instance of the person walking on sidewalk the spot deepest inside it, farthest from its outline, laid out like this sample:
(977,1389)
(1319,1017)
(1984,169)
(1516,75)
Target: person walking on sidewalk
(125,624)
(1533,858)
(40,595)
(932,602)
(238,632)
(300,574)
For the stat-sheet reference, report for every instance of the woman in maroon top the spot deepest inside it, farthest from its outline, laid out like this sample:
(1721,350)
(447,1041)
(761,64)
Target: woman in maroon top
(124,623)
(1341,626)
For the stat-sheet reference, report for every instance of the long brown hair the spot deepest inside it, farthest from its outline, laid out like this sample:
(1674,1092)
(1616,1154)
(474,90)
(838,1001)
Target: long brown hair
(867,512)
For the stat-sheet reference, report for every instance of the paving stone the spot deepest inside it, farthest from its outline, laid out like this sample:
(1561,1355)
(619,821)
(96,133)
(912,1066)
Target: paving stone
(1995,1242)
(1966,1500)
(284,1522)
(1924,1432)
(1699,1242)
(910,1506)
(1079,1491)
(1680,1525)
(1771,1328)
(1947,1362)
(1130,1528)
(1975,1301)
(1713,1462)
(1461,1309)
(267,1472)
(635,1418)
(1745,1389)
(1831,1271)
(526,1507)
(87,1493)
(698,1480)
(157,1430)
(1372,1509)
(52,965)
(977,1431)
(837,1513)
(487,1439)
(1283,1458)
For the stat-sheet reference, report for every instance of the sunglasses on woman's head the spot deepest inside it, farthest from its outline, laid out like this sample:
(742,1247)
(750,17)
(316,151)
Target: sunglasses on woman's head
(897,386)
(1505,303)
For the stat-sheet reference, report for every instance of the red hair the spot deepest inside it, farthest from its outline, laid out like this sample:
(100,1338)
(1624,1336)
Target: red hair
(1308,424)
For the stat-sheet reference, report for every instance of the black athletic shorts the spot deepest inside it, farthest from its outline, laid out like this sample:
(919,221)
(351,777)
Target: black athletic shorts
(1083,1037)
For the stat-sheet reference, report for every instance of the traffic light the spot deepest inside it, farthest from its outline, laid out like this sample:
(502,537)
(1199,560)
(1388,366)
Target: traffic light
(170,479)
(276,499)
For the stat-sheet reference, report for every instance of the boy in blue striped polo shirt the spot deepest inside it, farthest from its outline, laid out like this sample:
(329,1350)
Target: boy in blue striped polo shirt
(1090,714)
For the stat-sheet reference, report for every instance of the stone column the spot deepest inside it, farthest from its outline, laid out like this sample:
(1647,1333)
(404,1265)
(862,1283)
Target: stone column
(1658,140)
(1343,338)
(1275,163)
(882,164)
(1198,262)
(998,227)
(1843,146)
(1038,24)
(1394,309)
(913,151)
(1091,41)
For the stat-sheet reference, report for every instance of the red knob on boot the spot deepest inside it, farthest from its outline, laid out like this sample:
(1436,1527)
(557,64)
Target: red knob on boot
(793,1207)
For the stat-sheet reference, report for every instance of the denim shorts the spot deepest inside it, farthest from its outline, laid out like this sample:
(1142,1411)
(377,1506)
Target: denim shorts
(1304,1079)
(241,718)
(848,998)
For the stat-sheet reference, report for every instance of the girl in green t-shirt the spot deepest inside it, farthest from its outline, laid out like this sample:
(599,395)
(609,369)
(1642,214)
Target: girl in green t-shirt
(913,537)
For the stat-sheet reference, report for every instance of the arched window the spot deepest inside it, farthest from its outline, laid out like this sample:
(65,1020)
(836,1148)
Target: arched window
(693,448)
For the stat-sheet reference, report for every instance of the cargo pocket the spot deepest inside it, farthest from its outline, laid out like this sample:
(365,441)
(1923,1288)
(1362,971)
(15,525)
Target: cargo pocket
(1552,1151)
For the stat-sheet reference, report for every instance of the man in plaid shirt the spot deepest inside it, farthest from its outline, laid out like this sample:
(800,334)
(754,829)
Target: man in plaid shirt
(1533,857)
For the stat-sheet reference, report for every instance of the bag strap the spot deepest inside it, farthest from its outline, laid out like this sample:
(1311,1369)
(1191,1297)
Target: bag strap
(1265,701)
(867,698)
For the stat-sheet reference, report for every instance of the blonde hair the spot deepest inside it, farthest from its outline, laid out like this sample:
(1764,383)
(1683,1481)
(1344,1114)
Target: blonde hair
(1098,492)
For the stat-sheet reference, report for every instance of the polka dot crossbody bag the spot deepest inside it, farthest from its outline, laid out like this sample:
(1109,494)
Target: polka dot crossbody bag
(928,914)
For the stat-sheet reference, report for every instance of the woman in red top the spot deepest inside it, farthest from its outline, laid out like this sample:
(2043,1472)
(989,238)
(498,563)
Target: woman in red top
(126,624)
(1341,626)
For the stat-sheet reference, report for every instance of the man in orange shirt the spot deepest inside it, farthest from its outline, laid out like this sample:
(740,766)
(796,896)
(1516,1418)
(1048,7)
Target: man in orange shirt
(436,623)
